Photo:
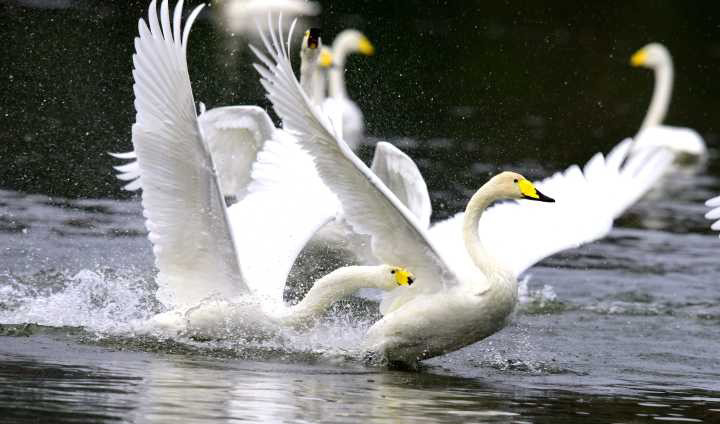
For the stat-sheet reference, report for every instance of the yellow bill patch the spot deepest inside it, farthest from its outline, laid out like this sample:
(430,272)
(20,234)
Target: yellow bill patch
(639,58)
(403,277)
(366,47)
(325,60)
(528,189)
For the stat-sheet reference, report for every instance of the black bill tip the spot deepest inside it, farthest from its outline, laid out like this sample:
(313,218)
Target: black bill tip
(541,198)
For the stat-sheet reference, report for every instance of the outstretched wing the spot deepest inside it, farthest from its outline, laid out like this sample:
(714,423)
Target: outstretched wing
(368,205)
(234,134)
(587,203)
(400,174)
(286,204)
(714,213)
(182,201)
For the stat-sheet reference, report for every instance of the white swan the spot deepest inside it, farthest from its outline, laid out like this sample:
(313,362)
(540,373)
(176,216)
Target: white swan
(338,102)
(185,212)
(652,133)
(458,298)
(243,142)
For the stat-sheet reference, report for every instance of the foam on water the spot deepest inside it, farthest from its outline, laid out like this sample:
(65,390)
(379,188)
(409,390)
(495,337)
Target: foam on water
(116,305)
(99,300)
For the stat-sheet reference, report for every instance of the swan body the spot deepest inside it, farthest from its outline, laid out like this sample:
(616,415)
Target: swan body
(457,299)
(372,209)
(196,250)
(681,141)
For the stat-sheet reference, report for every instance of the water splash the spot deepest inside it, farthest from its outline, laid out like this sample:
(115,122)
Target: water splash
(100,300)
(538,301)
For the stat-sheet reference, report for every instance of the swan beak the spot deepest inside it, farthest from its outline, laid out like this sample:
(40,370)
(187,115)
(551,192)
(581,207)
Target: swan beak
(325,60)
(404,277)
(529,192)
(365,47)
(639,58)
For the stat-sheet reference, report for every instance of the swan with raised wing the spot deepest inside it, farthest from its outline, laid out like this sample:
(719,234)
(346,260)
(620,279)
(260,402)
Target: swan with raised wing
(456,299)
(195,251)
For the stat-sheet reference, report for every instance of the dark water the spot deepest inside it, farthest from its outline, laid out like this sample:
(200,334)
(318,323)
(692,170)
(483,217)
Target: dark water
(626,329)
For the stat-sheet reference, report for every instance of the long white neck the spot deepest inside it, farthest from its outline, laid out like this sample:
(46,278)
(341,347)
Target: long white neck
(308,70)
(342,46)
(336,79)
(318,86)
(661,94)
(338,284)
(474,210)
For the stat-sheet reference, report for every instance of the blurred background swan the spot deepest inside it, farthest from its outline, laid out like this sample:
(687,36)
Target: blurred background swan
(240,16)
(686,143)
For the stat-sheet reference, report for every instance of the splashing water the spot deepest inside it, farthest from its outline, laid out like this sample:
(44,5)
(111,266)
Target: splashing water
(100,301)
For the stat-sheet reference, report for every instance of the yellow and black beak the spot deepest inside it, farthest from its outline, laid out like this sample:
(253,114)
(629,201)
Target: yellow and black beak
(313,38)
(529,192)
(403,277)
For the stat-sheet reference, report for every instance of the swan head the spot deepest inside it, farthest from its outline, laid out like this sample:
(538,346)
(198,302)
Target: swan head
(651,56)
(311,44)
(311,39)
(511,185)
(393,276)
(352,41)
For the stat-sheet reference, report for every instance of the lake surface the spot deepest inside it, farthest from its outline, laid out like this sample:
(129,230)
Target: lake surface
(626,329)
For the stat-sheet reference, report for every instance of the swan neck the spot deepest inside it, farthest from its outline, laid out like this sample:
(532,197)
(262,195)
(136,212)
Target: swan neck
(337,81)
(308,71)
(661,95)
(338,284)
(318,86)
(473,212)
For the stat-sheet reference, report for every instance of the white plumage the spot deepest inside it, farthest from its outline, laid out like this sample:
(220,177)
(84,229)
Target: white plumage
(183,201)
(452,304)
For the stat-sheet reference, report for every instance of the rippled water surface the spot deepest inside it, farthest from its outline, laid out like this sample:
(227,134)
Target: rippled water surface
(626,329)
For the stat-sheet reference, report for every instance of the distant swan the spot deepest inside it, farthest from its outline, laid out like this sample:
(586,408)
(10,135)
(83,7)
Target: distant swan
(185,211)
(461,298)
(652,133)
(338,102)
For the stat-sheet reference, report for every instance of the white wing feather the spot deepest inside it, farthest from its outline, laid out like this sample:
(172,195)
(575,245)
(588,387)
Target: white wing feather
(234,135)
(714,213)
(369,206)
(587,203)
(182,202)
(400,174)
(285,206)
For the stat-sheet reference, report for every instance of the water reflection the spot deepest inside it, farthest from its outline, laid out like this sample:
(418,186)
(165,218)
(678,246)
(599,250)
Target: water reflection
(87,383)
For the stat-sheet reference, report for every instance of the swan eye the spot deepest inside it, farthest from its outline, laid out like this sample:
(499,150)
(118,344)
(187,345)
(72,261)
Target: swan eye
(515,180)
(392,272)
